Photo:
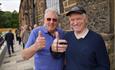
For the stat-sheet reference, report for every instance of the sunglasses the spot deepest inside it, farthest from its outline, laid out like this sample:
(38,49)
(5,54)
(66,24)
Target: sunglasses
(53,19)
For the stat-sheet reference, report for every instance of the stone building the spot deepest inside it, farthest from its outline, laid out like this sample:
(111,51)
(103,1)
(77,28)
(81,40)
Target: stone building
(57,4)
(40,8)
(24,13)
(31,11)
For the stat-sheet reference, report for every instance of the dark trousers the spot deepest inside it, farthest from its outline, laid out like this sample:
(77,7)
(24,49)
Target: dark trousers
(23,45)
(10,48)
(19,40)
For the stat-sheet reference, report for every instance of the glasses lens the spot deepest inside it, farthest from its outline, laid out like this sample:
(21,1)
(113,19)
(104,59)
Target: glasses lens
(48,19)
(53,19)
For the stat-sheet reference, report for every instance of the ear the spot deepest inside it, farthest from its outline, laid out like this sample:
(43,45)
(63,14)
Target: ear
(86,19)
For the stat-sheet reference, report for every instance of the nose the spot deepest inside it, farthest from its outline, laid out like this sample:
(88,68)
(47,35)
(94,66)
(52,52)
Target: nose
(75,22)
(51,21)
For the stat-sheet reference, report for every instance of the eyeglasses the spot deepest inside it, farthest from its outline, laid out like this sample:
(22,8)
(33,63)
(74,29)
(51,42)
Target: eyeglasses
(53,19)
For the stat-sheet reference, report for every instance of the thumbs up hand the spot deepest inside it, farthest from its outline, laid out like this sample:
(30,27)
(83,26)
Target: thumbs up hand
(59,45)
(40,41)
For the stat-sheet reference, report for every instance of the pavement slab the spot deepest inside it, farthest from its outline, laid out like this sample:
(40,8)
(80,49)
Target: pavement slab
(16,62)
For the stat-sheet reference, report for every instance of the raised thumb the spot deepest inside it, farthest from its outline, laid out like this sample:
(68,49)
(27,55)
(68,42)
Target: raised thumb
(57,35)
(39,34)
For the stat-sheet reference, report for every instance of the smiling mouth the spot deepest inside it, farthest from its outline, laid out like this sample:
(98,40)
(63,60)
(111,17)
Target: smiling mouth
(76,26)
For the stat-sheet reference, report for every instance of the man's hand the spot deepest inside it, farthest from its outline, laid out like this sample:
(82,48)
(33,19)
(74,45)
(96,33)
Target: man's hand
(59,45)
(40,41)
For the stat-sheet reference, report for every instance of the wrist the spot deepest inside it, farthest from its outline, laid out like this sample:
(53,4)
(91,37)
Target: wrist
(35,47)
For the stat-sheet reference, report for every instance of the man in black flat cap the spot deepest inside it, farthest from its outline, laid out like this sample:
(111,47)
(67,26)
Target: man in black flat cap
(86,49)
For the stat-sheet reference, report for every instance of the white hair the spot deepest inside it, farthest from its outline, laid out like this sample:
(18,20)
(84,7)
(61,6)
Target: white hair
(51,10)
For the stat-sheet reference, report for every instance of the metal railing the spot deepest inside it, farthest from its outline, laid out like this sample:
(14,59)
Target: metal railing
(1,41)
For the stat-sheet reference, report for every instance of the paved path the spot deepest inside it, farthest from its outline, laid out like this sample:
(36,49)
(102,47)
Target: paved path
(16,62)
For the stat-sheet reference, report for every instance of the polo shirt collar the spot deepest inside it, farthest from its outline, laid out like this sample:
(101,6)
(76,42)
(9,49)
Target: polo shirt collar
(46,31)
(83,34)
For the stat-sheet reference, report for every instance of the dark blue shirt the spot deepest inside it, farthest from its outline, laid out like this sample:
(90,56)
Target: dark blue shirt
(43,59)
(88,53)
(9,37)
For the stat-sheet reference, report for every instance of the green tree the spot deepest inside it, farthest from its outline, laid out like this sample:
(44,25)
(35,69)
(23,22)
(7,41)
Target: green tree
(14,21)
(9,19)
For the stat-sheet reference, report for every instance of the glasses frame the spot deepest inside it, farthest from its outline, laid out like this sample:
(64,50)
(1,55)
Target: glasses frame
(53,19)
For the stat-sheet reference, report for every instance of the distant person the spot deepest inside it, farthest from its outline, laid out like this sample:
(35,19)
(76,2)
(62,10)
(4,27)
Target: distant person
(35,25)
(16,34)
(18,38)
(25,32)
(9,37)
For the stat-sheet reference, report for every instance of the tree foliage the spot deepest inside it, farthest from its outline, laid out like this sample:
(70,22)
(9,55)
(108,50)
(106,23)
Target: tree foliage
(9,19)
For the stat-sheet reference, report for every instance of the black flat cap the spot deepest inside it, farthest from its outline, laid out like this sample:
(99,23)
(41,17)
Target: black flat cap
(76,9)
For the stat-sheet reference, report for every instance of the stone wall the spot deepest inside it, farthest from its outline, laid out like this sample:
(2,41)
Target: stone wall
(99,14)
(99,18)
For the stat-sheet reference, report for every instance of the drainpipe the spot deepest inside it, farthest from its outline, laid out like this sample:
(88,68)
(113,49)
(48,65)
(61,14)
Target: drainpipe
(33,13)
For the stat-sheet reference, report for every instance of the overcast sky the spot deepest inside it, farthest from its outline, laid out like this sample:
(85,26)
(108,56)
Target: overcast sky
(10,5)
